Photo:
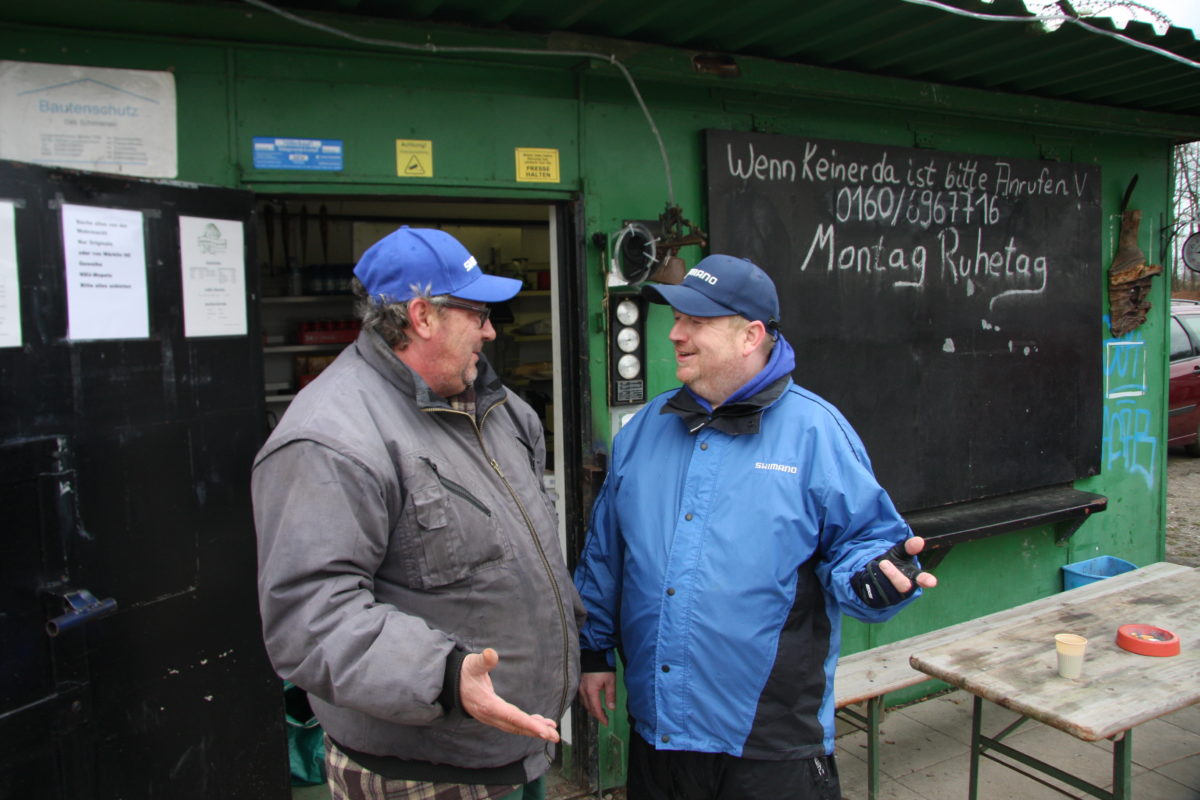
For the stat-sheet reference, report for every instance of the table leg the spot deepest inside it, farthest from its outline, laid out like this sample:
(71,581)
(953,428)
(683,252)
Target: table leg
(976,728)
(981,745)
(1122,760)
(874,712)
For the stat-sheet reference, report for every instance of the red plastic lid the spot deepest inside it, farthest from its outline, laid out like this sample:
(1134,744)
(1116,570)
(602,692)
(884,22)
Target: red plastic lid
(1147,640)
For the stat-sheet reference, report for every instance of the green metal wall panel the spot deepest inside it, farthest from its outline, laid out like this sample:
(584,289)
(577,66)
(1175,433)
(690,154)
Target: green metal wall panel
(474,115)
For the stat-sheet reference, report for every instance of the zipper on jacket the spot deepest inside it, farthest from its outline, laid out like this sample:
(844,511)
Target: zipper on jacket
(562,705)
(562,617)
(457,489)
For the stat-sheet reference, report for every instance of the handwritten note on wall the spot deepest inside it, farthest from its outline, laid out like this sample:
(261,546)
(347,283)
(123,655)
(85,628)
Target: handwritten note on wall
(104,251)
(948,303)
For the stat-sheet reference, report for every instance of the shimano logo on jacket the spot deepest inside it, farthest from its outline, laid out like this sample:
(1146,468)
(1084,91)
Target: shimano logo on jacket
(776,467)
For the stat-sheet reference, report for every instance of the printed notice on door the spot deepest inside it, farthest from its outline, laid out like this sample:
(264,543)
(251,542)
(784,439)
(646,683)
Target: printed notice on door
(106,120)
(10,294)
(105,254)
(214,277)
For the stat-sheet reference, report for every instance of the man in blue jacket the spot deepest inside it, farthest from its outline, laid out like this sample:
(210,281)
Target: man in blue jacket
(740,518)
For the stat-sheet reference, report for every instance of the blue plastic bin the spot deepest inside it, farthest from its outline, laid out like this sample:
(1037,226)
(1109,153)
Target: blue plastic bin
(1094,569)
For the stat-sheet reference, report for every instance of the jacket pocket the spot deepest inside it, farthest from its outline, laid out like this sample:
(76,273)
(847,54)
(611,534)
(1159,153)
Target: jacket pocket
(447,533)
(458,490)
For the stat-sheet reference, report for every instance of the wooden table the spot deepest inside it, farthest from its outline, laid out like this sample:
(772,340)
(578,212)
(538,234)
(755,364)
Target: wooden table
(1012,663)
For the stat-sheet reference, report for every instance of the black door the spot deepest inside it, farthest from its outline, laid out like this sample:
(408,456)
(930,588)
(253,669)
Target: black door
(131,663)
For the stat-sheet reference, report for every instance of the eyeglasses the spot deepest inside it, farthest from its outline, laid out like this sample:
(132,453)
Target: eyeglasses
(483,311)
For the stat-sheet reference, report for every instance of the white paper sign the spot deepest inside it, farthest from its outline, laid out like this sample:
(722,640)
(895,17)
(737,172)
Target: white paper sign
(10,290)
(214,277)
(105,254)
(90,118)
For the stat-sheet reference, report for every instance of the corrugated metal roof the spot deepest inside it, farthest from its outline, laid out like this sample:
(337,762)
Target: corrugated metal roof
(877,37)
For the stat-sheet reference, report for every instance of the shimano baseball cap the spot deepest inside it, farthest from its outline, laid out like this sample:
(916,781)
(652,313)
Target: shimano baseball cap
(426,261)
(719,286)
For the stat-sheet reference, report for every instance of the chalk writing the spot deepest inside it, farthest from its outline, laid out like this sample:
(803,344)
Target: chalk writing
(958,201)
(875,257)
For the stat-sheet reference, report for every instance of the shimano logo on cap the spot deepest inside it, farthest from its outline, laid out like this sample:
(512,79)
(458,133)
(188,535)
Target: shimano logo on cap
(700,274)
(469,264)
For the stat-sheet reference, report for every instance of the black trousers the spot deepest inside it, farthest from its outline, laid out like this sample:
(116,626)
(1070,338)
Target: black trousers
(685,775)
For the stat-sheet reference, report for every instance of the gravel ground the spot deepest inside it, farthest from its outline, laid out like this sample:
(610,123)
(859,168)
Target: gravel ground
(1183,509)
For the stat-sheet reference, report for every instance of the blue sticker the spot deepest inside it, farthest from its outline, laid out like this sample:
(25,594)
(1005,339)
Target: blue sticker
(278,152)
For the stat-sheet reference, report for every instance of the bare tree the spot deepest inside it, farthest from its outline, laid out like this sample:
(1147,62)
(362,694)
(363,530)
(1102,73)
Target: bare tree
(1187,215)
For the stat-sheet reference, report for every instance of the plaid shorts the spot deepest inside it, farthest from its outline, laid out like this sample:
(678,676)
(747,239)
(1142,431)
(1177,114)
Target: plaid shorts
(351,781)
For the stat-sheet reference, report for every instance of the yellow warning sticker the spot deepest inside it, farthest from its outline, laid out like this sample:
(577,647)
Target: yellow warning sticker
(414,158)
(537,165)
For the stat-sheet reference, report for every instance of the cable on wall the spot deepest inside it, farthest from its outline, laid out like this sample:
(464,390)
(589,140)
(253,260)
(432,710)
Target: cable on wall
(430,47)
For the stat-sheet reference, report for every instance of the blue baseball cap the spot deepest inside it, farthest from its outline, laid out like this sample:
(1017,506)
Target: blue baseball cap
(719,286)
(413,261)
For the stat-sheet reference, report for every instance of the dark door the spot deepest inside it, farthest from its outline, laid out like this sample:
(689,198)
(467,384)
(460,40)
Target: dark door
(131,663)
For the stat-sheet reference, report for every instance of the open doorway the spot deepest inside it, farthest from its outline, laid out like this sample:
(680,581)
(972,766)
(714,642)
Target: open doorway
(309,244)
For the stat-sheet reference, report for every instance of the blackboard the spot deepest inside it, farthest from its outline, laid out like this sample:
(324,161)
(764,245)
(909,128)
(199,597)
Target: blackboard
(947,303)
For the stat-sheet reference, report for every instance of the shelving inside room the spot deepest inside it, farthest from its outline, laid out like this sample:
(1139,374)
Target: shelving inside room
(308,246)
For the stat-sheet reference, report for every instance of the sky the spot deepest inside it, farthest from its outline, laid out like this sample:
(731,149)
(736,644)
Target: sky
(1183,13)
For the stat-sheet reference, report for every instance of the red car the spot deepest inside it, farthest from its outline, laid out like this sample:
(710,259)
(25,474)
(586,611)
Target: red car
(1183,417)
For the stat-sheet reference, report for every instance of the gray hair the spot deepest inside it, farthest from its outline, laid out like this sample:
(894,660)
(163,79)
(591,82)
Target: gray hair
(386,317)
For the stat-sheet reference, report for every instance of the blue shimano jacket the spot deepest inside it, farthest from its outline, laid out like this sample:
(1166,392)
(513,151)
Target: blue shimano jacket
(719,561)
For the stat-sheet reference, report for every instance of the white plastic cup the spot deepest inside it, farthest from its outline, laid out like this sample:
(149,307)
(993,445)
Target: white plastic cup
(1070,649)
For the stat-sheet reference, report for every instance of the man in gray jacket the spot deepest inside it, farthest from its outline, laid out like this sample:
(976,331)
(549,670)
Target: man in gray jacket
(410,576)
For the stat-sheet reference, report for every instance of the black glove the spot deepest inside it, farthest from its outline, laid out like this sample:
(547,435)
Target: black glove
(874,588)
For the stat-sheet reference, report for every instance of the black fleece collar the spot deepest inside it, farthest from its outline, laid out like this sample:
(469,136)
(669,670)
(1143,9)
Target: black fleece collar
(735,419)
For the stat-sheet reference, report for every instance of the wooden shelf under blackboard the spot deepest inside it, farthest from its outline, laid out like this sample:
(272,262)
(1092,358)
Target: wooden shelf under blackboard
(942,528)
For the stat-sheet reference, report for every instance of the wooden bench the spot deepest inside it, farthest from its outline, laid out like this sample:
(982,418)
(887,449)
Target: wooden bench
(869,675)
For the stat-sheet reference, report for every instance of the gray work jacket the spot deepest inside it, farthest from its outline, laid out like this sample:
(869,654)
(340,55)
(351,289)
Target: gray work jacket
(393,529)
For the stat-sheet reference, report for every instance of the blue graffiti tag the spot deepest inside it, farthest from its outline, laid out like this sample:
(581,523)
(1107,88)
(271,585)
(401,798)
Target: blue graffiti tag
(1124,368)
(1129,441)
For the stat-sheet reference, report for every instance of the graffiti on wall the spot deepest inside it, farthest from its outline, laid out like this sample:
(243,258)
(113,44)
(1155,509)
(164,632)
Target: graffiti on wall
(1130,440)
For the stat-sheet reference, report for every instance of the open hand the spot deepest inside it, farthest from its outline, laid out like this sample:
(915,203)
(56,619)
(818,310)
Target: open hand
(481,701)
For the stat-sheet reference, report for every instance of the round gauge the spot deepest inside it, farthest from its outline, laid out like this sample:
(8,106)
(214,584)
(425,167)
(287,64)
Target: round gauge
(628,312)
(629,366)
(1191,253)
(628,340)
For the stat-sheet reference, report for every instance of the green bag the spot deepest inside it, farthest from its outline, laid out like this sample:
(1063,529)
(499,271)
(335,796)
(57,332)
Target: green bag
(306,740)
